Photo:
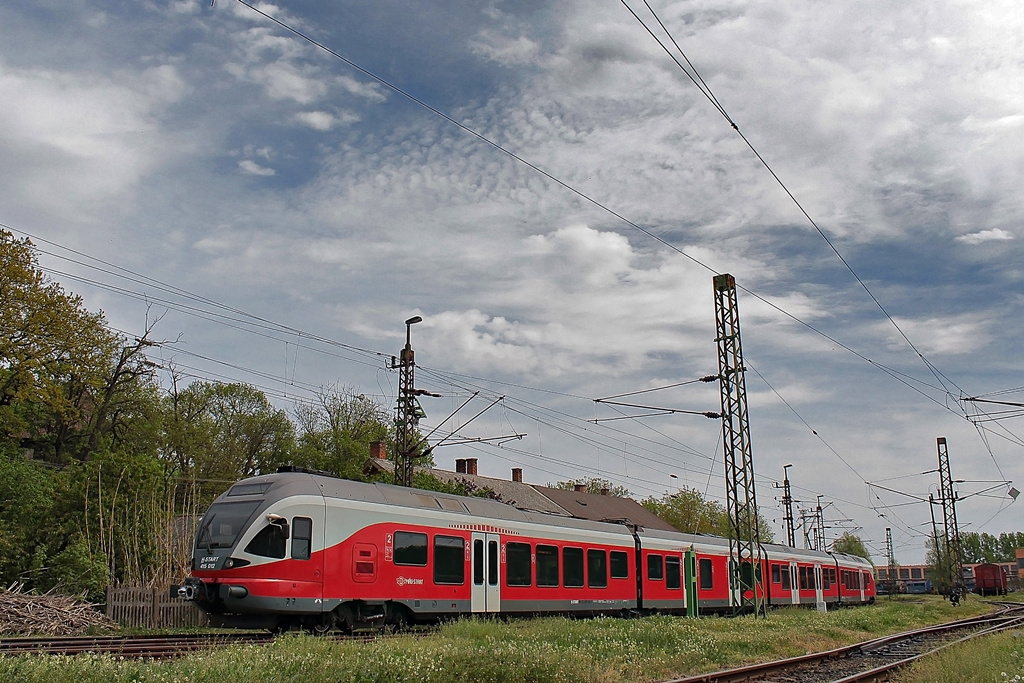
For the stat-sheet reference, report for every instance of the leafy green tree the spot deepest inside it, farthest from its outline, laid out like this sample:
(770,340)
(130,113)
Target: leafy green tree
(27,492)
(851,545)
(1008,545)
(594,485)
(68,384)
(219,433)
(688,511)
(113,505)
(336,430)
(53,354)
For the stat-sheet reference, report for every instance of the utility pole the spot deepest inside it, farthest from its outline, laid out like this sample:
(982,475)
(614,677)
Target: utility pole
(940,560)
(787,504)
(806,529)
(954,552)
(820,522)
(893,568)
(744,536)
(408,410)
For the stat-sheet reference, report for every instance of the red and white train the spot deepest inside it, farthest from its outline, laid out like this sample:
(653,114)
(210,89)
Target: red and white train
(298,549)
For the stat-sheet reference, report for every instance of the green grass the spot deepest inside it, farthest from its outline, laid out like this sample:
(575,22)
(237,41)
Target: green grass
(994,658)
(541,650)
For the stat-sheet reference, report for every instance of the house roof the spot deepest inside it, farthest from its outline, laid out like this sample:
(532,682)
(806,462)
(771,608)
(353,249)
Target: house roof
(599,508)
(604,508)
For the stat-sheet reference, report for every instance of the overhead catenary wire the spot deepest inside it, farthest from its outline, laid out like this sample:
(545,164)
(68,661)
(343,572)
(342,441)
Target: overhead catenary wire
(286,341)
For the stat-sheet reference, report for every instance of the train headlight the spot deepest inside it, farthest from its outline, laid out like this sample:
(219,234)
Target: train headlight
(233,562)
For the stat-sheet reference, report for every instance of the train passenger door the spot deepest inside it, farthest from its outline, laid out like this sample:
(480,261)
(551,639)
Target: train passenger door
(485,565)
(306,549)
(794,583)
(819,598)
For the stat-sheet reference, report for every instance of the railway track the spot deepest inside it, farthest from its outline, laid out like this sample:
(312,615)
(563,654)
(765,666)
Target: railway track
(872,660)
(158,646)
(138,646)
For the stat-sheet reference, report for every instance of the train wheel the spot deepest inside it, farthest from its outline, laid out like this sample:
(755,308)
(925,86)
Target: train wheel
(323,624)
(398,620)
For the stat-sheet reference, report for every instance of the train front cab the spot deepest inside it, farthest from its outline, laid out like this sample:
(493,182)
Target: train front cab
(258,557)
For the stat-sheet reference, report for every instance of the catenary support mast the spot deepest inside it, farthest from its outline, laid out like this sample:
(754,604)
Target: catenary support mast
(744,536)
(954,551)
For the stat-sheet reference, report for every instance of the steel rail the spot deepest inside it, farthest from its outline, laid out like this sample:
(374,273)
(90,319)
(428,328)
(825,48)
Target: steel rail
(844,658)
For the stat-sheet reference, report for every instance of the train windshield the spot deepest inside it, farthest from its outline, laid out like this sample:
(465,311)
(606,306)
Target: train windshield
(223,523)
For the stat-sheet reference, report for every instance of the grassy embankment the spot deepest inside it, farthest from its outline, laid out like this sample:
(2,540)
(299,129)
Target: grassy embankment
(552,649)
(998,658)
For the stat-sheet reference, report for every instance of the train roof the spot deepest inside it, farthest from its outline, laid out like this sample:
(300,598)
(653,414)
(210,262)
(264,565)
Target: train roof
(290,483)
(299,482)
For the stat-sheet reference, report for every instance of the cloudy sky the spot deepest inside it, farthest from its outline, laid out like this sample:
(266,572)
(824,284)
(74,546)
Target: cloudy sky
(550,191)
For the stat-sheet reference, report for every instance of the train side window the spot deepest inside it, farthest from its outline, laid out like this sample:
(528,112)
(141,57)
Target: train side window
(449,560)
(410,548)
(826,583)
(673,578)
(302,538)
(619,565)
(597,568)
(747,573)
(655,568)
(776,574)
(705,574)
(269,542)
(517,564)
(786,585)
(478,562)
(807,578)
(547,565)
(572,567)
(492,563)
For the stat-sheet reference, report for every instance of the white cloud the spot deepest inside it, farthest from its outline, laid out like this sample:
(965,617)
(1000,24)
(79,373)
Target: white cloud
(995,234)
(284,81)
(504,50)
(252,168)
(371,92)
(324,121)
(934,336)
(94,136)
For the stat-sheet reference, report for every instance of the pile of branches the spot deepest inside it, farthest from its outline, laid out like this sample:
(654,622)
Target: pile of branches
(23,614)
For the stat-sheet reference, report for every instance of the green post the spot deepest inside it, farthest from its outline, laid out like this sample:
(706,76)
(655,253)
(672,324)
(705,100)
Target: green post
(691,582)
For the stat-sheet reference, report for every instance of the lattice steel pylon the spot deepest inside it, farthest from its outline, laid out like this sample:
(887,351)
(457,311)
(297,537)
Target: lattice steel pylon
(746,578)
(408,411)
(954,551)
(890,581)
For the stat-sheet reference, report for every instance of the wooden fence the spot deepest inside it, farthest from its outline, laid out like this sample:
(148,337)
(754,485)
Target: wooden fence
(148,607)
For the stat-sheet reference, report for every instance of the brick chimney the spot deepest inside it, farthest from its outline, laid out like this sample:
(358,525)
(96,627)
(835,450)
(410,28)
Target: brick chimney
(517,474)
(579,488)
(379,450)
(470,465)
(460,465)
